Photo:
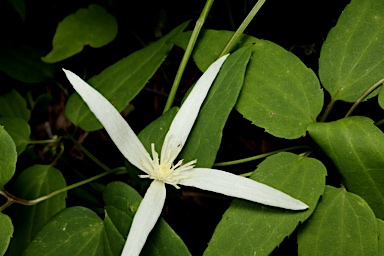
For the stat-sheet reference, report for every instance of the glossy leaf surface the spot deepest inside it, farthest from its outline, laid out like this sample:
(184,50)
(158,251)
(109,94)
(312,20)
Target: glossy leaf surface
(343,224)
(92,26)
(356,147)
(351,57)
(73,231)
(258,228)
(280,93)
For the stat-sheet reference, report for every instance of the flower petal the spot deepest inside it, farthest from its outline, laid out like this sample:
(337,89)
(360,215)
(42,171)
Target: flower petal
(145,218)
(117,128)
(185,118)
(240,187)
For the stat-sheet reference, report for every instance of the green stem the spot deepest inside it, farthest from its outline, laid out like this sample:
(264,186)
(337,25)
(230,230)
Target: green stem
(364,95)
(327,110)
(236,37)
(187,54)
(13,199)
(378,123)
(85,151)
(53,140)
(4,206)
(253,158)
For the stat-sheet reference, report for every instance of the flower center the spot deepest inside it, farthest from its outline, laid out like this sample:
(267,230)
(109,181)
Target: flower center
(167,172)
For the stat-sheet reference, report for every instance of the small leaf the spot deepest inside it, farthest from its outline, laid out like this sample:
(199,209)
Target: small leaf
(253,229)
(122,202)
(19,6)
(32,183)
(122,81)
(73,231)
(279,93)
(13,104)
(8,157)
(343,224)
(356,147)
(205,137)
(351,58)
(6,231)
(19,130)
(23,62)
(92,26)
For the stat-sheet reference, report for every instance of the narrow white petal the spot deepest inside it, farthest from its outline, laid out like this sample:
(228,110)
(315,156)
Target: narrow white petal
(145,218)
(240,187)
(185,118)
(117,128)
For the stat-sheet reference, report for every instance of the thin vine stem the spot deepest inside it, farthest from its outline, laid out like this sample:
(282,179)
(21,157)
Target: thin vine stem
(239,32)
(364,95)
(53,140)
(253,158)
(327,110)
(85,151)
(12,199)
(187,54)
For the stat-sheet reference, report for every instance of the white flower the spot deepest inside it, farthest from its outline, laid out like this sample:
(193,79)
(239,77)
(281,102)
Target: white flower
(164,170)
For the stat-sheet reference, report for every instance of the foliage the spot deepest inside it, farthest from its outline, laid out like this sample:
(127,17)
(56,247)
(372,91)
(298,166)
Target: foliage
(47,152)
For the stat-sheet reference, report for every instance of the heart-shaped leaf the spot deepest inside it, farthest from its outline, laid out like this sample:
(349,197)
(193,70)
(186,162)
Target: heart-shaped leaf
(342,224)
(259,229)
(356,147)
(351,58)
(92,26)
(73,231)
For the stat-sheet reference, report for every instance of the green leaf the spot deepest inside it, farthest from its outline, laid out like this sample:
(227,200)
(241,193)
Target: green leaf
(209,45)
(6,231)
(380,226)
(32,183)
(343,224)
(122,202)
(351,58)
(19,130)
(122,81)
(73,231)
(279,93)
(356,147)
(13,104)
(23,62)
(205,137)
(19,6)
(92,26)
(8,157)
(253,229)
